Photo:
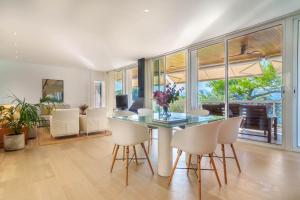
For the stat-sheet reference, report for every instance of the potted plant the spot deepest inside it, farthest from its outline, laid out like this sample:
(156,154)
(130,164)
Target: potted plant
(15,122)
(83,108)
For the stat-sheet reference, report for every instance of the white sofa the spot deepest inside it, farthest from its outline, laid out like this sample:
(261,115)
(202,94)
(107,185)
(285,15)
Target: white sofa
(94,120)
(64,122)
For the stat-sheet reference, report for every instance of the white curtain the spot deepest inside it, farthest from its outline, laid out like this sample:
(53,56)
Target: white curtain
(110,88)
(148,83)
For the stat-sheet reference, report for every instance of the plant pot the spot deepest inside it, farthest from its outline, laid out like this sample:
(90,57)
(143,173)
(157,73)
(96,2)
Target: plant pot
(32,132)
(25,130)
(3,131)
(14,142)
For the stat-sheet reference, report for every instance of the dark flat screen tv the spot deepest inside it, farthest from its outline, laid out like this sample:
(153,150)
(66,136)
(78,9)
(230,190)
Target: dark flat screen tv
(122,102)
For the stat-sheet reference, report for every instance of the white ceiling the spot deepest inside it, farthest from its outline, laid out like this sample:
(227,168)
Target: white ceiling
(107,34)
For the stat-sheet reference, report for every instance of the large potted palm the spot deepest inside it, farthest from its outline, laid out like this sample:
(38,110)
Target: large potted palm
(15,122)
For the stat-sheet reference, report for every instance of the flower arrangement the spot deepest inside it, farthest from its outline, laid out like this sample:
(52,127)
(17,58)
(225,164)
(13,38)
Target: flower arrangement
(165,98)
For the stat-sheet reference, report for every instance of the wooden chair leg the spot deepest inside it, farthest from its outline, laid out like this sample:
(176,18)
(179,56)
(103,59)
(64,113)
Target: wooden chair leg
(174,167)
(224,163)
(114,158)
(236,159)
(199,174)
(189,163)
(134,151)
(127,155)
(148,150)
(146,154)
(215,169)
(114,149)
(150,140)
(150,130)
(123,153)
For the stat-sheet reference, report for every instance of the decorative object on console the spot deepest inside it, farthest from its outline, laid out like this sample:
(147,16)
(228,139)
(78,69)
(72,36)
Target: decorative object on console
(15,121)
(47,104)
(53,89)
(83,109)
(165,98)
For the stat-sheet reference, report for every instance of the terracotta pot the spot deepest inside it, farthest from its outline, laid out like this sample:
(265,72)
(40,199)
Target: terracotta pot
(14,142)
(3,131)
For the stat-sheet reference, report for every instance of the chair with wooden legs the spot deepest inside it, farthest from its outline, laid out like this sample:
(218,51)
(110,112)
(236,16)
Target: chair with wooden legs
(147,112)
(228,133)
(122,113)
(128,134)
(199,141)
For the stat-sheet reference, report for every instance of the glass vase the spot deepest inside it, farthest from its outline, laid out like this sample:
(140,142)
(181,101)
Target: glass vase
(166,112)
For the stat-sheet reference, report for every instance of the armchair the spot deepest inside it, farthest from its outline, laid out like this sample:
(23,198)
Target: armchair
(64,122)
(94,120)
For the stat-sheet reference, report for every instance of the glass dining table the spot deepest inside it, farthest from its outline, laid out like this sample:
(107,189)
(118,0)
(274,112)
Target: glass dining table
(165,131)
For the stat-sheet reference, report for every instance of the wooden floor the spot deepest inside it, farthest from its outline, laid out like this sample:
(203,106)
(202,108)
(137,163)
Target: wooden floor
(80,171)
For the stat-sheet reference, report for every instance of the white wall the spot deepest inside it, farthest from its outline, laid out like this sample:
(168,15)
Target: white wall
(25,80)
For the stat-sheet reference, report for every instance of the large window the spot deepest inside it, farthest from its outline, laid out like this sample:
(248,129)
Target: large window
(255,82)
(118,82)
(298,67)
(211,78)
(158,68)
(99,94)
(176,74)
(170,69)
(132,84)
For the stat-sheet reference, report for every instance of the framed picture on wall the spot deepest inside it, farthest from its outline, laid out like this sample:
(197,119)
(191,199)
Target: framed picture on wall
(53,89)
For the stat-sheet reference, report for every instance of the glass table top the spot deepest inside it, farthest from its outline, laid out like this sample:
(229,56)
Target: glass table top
(176,119)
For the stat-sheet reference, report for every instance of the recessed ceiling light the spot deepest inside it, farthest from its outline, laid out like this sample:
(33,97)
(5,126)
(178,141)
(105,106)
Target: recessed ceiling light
(15,33)
(146,10)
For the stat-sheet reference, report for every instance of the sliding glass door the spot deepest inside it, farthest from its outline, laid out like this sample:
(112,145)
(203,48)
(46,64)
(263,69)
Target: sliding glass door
(176,74)
(118,79)
(255,83)
(248,85)
(297,63)
(211,78)
(170,69)
(132,84)
(158,78)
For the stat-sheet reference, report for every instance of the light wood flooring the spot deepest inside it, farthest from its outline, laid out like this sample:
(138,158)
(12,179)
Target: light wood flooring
(80,171)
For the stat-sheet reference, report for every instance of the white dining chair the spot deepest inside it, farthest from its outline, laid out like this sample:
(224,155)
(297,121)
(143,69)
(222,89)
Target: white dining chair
(121,113)
(147,112)
(228,134)
(129,134)
(197,140)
